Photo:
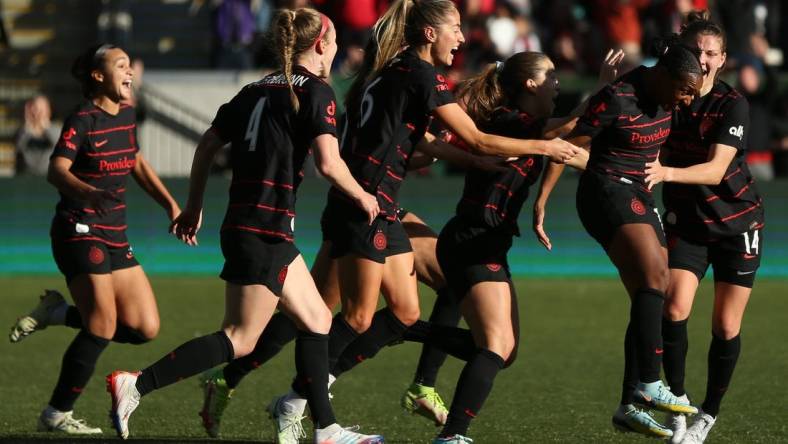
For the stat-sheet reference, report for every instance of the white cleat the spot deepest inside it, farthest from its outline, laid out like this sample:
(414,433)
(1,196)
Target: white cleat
(39,318)
(677,422)
(52,420)
(699,430)
(286,422)
(125,399)
(336,434)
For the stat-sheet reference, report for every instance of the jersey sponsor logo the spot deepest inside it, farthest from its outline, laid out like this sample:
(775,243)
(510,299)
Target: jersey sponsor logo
(441,86)
(101,143)
(331,109)
(95,255)
(637,206)
(379,241)
(634,118)
(650,138)
(282,275)
(493,267)
(121,164)
(737,131)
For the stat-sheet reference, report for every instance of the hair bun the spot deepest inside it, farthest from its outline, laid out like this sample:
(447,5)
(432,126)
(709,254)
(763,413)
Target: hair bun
(661,45)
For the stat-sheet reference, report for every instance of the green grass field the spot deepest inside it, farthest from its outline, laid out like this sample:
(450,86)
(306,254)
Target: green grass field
(563,387)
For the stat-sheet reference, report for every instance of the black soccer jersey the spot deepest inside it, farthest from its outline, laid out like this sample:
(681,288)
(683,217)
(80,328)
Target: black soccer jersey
(103,149)
(269,143)
(395,112)
(627,128)
(734,206)
(494,199)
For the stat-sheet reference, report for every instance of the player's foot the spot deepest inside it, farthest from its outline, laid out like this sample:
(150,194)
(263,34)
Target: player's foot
(216,395)
(336,434)
(453,439)
(699,430)
(628,418)
(39,318)
(125,398)
(425,401)
(677,422)
(286,421)
(52,420)
(657,395)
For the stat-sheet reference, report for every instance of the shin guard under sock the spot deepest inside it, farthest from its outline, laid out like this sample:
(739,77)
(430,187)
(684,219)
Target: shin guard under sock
(339,338)
(723,355)
(385,329)
(79,361)
(646,320)
(455,341)
(675,344)
(631,375)
(473,387)
(311,381)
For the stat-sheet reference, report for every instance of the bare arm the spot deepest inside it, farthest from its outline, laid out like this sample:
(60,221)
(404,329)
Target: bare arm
(437,148)
(710,172)
(149,181)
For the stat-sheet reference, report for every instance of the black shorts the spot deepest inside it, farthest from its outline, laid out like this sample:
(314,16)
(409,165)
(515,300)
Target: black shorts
(734,259)
(76,257)
(255,259)
(469,255)
(604,204)
(350,233)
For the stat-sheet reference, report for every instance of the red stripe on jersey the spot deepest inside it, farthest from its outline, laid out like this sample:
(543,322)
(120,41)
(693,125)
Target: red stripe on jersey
(505,188)
(369,158)
(120,190)
(738,193)
(284,236)
(110,227)
(519,170)
(264,207)
(402,153)
(410,126)
(115,208)
(94,111)
(269,183)
(110,130)
(386,196)
(119,173)
(85,174)
(735,172)
(495,208)
(390,174)
(97,239)
(625,94)
(633,172)
(110,153)
(733,216)
(644,125)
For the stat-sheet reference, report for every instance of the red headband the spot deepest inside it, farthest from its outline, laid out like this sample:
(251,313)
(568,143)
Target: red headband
(324,24)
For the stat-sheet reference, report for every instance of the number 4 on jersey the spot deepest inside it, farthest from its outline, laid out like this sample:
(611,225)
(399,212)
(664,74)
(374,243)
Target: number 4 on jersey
(254,124)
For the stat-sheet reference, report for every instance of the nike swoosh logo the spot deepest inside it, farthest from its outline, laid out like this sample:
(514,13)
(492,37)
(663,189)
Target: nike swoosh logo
(633,118)
(102,143)
(645,397)
(742,273)
(749,256)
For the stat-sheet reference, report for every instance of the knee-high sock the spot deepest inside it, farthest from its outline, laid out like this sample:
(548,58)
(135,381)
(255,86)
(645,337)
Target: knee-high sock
(723,355)
(311,381)
(675,344)
(473,387)
(631,375)
(339,338)
(278,333)
(446,311)
(72,318)
(646,319)
(79,361)
(190,358)
(128,335)
(455,341)
(385,329)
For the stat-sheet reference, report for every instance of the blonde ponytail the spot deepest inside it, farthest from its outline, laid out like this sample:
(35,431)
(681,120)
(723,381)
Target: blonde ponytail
(295,31)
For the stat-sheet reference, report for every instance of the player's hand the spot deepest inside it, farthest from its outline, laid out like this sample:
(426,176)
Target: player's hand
(101,201)
(538,226)
(609,69)
(656,173)
(560,151)
(369,204)
(186,225)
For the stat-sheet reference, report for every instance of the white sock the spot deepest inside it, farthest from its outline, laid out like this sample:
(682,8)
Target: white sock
(58,314)
(293,403)
(331,379)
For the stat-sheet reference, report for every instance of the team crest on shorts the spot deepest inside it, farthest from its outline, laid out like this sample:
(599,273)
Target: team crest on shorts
(637,206)
(379,240)
(129,253)
(493,267)
(95,255)
(282,275)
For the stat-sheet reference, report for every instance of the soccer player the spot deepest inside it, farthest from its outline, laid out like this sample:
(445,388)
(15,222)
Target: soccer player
(390,106)
(625,124)
(271,124)
(94,155)
(714,215)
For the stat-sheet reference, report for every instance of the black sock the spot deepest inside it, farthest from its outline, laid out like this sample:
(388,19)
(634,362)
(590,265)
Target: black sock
(385,329)
(278,333)
(722,361)
(79,361)
(311,381)
(340,336)
(631,375)
(646,319)
(675,344)
(446,311)
(73,318)
(455,341)
(190,358)
(473,387)
(128,335)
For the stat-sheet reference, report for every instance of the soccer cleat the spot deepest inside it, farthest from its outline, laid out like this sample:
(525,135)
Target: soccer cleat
(677,422)
(336,434)
(699,430)
(453,439)
(656,395)
(425,401)
(65,422)
(216,395)
(630,419)
(39,318)
(125,399)
(287,425)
